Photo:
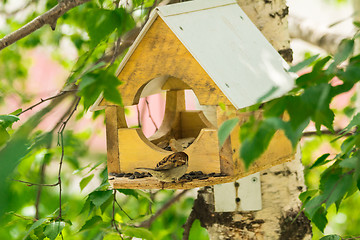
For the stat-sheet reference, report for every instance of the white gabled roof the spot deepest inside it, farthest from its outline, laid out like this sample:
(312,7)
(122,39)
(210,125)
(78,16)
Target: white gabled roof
(230,48)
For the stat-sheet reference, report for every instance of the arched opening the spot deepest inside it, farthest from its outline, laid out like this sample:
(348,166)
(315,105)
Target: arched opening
(168,114)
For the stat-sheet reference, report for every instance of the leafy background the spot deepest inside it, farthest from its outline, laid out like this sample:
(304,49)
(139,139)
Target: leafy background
(31,145)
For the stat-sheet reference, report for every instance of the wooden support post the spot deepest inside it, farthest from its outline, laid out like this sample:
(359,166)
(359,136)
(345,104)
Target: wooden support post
(112,120)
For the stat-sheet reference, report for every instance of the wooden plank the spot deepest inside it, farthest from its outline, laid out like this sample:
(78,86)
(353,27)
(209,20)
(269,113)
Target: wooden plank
(160,53)
(111,114)
(152,183)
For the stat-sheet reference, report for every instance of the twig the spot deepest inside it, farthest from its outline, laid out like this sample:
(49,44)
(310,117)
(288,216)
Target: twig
(60,133)
(147,223)
(138,115)
(187,225)
(50,17)
(150,116)
(23,217)
(350,238)
(70,109)
(326,132)
(150,9)
(123,210)
(43,165)
(42,101)
(8,14)
(113,221)
(36,184)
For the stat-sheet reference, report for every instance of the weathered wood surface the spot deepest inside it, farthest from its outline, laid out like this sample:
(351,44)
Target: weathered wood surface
(152,183)
(160,53)
(112,121)
(279,150)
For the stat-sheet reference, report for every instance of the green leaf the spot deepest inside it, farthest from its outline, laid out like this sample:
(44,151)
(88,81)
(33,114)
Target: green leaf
(331,237)
(84,182)
(100,23)
(303,64)
(17,111)
(8,120)
(268,94)
(304,196)
(225,129)
(319,219)
(336,188)
(99,197)
(106,204)
(141,233)
(349,162)
(345,50)
(4,135)
(54,229)
(112,236)
(91,223)
(313,205)
(320,161)
(35,225)
(113,95)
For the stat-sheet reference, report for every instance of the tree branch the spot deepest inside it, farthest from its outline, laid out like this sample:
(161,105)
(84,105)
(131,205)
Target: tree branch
(187,225)
(325,132)
(308,32)
(147,223)
(42,101)
(50,17)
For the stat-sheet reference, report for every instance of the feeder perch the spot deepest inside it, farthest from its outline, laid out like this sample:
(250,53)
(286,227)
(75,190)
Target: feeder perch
(212,48)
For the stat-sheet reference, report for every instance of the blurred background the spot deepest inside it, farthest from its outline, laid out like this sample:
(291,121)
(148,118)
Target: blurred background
(37,67)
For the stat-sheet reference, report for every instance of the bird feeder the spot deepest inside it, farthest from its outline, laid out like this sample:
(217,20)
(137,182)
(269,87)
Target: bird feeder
(212,48)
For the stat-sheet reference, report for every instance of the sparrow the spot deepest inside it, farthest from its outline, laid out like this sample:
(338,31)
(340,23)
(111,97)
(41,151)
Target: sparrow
(170,168)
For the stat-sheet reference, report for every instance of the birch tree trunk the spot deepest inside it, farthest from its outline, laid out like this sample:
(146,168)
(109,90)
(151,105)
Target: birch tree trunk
(282,184)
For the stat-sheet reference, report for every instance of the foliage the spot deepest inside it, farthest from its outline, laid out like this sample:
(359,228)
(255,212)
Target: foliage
(309,102)
(30,153)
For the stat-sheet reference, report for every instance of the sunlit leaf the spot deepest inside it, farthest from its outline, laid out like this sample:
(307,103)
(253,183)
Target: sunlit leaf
(331,237)
(84,182)
(225,129)
(141,233)
(320,161)
(54,229)
(35,225)
(303,64)
(95,220)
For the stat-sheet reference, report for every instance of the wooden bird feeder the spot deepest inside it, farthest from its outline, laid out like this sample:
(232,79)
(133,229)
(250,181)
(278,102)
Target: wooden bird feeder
(212,48)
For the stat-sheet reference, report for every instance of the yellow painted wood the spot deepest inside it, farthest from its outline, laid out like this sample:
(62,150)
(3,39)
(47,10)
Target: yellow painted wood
(174,84)
(279,150)
(226,155)
(137,151)
(160,53)
(111,114)
(192,122)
